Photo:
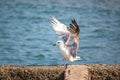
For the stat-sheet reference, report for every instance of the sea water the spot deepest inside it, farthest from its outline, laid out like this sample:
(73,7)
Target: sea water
(26,36)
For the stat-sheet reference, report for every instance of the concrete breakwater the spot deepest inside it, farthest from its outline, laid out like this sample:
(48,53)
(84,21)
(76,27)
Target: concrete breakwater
(59,72)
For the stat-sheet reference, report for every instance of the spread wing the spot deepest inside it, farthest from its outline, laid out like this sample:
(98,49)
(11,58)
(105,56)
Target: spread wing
(74,30)
(60,29)
(66,33)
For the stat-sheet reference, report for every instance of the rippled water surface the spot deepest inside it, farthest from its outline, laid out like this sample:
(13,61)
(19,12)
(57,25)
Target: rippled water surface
(26,36)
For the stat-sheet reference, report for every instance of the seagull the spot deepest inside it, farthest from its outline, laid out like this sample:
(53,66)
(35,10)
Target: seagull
(68,50)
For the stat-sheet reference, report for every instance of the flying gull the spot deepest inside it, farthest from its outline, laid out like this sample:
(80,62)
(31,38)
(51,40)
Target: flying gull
(69,50)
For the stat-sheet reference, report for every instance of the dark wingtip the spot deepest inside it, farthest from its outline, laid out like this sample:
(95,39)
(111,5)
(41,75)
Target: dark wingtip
(77,30)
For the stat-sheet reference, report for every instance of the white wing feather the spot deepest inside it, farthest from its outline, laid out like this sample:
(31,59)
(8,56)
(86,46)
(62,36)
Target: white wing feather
(60,28)
(64,33)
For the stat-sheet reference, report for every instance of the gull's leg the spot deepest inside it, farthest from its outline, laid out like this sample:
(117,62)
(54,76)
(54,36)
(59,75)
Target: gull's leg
(66,63)
(63,61)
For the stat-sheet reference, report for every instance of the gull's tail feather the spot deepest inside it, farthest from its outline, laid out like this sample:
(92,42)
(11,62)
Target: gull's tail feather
(78,58)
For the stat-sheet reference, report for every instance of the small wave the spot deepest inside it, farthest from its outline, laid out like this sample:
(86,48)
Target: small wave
(40,56)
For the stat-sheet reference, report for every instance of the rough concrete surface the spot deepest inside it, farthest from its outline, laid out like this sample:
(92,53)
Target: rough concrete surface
(71,72)
(76,72)
(104,72)
(31,72)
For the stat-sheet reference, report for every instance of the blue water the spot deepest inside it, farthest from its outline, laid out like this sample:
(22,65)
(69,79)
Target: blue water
(26,36)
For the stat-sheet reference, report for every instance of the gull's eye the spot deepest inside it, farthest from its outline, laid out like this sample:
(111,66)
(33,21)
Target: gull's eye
(58,42)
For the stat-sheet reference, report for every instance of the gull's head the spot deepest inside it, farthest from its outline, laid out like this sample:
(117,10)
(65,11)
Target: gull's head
(58,43)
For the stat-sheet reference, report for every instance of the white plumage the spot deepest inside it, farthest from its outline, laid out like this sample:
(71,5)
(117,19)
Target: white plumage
(68,50)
